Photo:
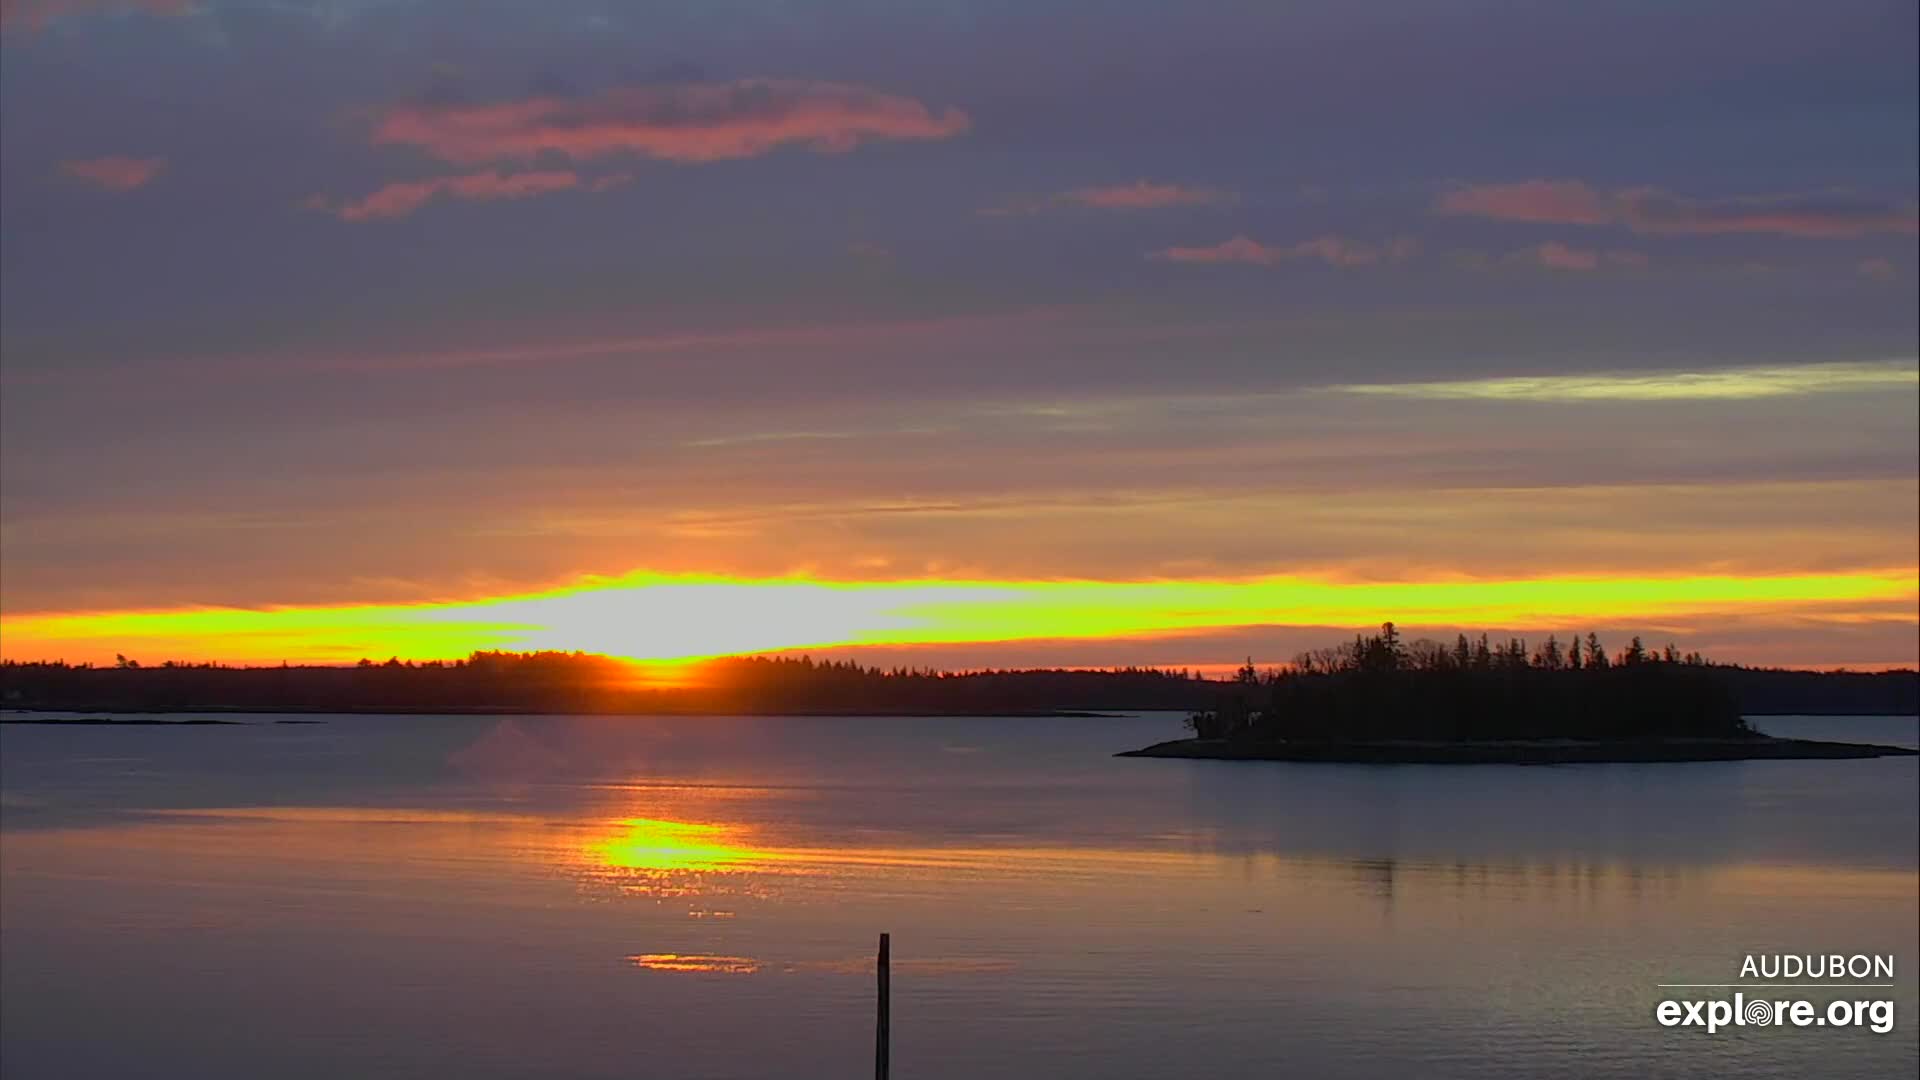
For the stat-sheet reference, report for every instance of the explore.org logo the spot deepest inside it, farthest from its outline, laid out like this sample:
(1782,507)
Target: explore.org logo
(1831,972)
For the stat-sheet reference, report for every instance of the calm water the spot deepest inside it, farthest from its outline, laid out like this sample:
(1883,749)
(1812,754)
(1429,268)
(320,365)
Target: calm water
(640,897)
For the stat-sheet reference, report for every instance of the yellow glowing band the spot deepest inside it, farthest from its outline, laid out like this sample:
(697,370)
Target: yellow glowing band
(1734,384)
(665,618)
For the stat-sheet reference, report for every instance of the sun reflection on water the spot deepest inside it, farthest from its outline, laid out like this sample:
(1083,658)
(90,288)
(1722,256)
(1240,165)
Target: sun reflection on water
(653,844)
(661,857)
(701,964)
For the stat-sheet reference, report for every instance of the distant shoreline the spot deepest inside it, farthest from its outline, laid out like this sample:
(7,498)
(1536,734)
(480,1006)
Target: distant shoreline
(1519,752)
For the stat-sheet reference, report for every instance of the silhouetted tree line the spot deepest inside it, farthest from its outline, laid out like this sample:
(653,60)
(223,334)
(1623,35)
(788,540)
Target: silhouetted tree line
(1383,687)
(561,682)
(805,685)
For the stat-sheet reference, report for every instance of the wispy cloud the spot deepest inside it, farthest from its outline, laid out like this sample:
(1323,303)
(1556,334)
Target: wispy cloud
(1330,249)
(114,173)
(1142,195)
(34,14)
(1652,210)
(802,335)
(751,438)
(688,122)
(1555,202)
(1555,255)
(397,200)
(1139,195)
(1739,383)
(1879,269)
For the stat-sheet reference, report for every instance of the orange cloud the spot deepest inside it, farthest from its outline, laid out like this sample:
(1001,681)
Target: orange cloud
(114,173)
(688,123)
(1332,250)
(1651,210)
(400,199)
(34,14)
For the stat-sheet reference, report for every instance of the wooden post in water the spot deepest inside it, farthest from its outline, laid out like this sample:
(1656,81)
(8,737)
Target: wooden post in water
(881,1035)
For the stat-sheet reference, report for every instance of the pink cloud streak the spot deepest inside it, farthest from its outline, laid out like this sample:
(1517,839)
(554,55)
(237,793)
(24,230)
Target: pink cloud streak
(114,173)
(1555,202)
(687,123)
(1144,195)
(399,199)
(34,14)
(1139,195)
(1555,255)
(1332,250)
(1652,210)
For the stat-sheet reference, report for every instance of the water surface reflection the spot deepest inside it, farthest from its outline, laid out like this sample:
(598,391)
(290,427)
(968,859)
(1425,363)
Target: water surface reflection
(376,897)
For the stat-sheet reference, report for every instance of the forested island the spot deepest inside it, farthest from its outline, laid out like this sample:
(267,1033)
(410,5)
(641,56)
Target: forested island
(1382,700)
(555,682)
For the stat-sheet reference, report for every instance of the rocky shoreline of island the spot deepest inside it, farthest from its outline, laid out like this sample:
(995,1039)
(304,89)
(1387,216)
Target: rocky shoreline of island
(1518,751)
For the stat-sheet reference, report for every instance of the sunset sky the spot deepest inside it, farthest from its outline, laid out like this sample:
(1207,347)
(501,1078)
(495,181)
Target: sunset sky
(956,334)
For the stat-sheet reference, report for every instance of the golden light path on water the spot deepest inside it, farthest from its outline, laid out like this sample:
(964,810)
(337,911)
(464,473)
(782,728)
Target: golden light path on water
(779,890)
(650,851)
(726,861)
(671,846)
(647,616)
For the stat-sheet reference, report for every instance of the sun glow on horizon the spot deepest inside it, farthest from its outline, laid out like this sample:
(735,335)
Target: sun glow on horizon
(670,622)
